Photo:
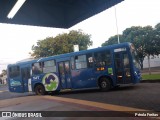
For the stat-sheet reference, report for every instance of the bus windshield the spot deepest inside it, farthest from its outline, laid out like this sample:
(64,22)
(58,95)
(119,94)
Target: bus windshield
(14,71)
(135,56)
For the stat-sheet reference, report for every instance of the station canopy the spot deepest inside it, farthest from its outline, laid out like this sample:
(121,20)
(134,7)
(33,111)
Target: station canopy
(52,13)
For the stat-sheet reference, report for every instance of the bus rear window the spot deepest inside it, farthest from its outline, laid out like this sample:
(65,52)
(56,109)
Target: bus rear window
(14,71)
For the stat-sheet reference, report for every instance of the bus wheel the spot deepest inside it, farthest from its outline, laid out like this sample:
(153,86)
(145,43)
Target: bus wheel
(104,84)
(40,90)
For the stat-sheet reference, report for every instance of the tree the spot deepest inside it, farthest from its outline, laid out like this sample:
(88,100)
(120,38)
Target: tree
(157,27)
(146,40)
(62,43)
(134,35)
(113,40)
(4,72)
(156,33)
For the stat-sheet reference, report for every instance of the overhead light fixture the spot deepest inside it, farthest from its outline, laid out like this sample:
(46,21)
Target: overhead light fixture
(15,9)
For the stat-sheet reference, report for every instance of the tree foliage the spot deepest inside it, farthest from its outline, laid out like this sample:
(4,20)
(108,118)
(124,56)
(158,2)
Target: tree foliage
(4,72)
(156,34)
(62,43)
(113,40)
(146,40)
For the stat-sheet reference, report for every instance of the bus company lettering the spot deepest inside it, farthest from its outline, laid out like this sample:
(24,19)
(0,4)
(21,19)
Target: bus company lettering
(36,77)
(50,81)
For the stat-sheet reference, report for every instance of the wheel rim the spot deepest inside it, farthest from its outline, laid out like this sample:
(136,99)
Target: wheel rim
(39,90)
(103,84)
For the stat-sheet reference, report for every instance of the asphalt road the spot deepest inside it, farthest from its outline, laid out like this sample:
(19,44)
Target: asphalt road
(5,94)
(142,96)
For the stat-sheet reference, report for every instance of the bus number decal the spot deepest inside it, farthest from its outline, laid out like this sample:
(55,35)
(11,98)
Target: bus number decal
(50,81)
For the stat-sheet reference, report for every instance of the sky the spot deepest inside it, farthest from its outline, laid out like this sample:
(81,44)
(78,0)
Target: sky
(16,40)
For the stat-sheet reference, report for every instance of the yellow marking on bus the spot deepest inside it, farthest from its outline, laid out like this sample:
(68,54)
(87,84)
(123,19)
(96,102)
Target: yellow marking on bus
(95,104)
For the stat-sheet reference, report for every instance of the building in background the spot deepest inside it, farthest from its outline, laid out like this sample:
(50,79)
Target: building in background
(3,79)
(154,61)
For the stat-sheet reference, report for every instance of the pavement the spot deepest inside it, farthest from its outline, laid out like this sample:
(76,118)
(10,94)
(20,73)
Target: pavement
(122,103)
(68,108)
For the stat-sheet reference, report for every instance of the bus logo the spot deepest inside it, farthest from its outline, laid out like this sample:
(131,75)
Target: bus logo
(50,81)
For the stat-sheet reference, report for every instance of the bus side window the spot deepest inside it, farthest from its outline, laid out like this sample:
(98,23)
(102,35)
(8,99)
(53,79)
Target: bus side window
(72,63)
(81,61)
(99,59)
(36,68)
(108,57)
(125,60)
(102,58)
(67,67)
(25,73)
(49,66)
(61,68)
(118,61)
(89,60)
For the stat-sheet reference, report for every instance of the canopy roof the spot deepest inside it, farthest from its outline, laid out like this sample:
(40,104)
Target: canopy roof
(53,13)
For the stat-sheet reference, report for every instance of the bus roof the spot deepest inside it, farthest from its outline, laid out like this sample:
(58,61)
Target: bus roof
(84,51)
(29,61)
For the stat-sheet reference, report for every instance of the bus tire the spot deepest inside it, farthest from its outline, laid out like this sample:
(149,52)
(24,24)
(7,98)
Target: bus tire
(40,90)
(104,84)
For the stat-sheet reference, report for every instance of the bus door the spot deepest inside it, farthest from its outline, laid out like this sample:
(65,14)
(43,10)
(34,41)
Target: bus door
(122,67)
(65,74)
(26,80)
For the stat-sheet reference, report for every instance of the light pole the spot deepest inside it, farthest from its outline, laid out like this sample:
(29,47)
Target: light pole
(116,24)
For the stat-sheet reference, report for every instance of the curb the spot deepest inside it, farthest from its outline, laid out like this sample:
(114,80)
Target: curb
(150,81)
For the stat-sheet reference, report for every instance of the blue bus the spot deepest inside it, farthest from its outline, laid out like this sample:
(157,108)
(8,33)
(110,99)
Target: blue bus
(103,67)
